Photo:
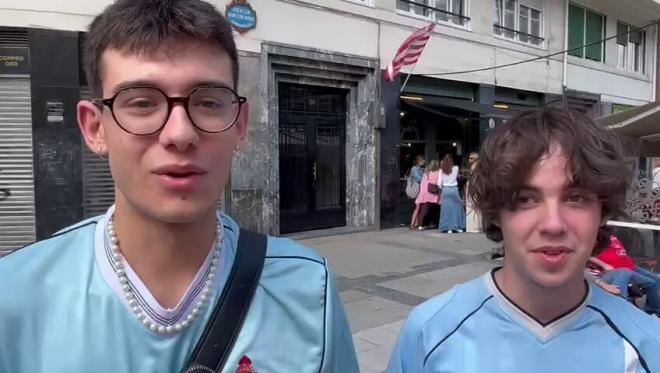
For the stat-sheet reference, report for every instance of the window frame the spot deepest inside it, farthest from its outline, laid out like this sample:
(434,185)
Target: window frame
(634,54)
(433,10)
(369,3)
(583,50)
(515,33)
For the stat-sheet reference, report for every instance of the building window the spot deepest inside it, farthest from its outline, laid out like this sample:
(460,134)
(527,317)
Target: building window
(446,11)
(586,27)
(631,47)
(519,20)
(363,2)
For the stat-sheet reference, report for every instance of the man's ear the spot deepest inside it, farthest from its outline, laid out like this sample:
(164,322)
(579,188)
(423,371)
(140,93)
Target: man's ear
(89,121)
(604,219)
(242,123)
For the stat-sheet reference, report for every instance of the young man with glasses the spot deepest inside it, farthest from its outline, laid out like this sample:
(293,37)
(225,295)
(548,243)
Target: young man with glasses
(546,184)
(133,290)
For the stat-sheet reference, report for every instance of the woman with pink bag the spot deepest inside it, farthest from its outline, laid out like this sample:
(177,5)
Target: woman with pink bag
(429,192)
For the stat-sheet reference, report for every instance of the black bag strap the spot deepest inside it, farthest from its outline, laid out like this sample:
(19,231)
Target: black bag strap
(219,336)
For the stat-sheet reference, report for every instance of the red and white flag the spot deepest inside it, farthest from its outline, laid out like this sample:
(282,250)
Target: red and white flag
(409,52)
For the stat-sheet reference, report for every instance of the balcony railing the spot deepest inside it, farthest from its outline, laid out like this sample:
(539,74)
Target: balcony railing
(462,17)
(499,30)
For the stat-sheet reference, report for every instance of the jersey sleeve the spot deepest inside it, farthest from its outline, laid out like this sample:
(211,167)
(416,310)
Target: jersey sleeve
(408,353)
(339,351)
(410,350)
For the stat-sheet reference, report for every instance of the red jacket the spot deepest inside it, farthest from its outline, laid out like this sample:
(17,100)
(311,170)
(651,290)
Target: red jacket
(616,256)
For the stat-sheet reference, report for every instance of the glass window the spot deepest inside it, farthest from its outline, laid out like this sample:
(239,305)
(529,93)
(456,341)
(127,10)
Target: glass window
(585,27)
(630,47)
(498,17)
(437,10)
(524,24)
(458,8)
(509,18)
(620,56)
(442,5)
(535,26)
(517,22)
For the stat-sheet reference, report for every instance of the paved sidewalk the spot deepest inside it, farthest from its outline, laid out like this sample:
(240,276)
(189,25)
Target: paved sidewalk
(382,275)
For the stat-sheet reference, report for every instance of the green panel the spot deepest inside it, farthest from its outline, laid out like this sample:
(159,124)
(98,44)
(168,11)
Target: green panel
(575,30)
(594,24)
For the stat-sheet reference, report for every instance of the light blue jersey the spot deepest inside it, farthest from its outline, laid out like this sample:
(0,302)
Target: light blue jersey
(60,311)
(474,328)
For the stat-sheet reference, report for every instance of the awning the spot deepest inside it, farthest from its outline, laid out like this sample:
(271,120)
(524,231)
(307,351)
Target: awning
(429,102)
(642,122)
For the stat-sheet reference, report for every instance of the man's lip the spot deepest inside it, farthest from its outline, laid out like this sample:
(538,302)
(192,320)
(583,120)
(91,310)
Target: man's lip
(179,170)
(552,249)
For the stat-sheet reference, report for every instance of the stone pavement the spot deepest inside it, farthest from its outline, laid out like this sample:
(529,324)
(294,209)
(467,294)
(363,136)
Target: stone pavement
(382,275)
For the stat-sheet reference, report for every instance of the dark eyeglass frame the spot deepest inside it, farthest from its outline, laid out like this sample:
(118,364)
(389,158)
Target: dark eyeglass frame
(171,101)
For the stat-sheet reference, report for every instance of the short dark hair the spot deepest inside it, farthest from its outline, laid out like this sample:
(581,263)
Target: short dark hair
(509,153)
(148,26)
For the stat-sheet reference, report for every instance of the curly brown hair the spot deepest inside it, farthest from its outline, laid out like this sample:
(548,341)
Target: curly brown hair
(595,158)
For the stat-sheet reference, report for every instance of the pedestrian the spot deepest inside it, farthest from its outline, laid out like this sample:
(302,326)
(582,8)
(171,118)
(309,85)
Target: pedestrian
(546,183)
(414,185)
(472,216)
(452,213)
(163,281)
(429,192)
(620,270)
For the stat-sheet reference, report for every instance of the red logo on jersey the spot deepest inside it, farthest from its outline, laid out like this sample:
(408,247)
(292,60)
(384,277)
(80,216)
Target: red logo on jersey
(245,365)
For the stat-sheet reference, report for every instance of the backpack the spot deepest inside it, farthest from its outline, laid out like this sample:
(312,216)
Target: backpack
(412,187)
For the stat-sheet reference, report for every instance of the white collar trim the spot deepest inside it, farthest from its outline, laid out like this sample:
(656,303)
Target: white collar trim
(155,311)
(543,332)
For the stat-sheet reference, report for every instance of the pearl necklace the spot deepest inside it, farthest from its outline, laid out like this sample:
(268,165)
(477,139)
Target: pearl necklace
(134,304)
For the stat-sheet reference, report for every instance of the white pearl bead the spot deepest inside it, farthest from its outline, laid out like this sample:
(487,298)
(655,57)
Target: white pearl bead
(121,273)
(140,316)
(133,303)
(177,327)
(214,261)
(169,329)
(152,327)
(190,317)
(146,322)
(161,329)
(208,283)
(200,304)
(123,280)
(195,312)
(136,309)
(129,295)
(204,297)
(211,276)
(116,257)
(113,239)
(119,264)
(115,248)
(126,288)
(185,324)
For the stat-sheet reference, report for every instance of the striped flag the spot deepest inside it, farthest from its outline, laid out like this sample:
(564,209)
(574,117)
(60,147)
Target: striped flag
(409,52)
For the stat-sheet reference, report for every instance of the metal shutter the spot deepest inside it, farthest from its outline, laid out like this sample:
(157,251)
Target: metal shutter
(98,186)
(17,212)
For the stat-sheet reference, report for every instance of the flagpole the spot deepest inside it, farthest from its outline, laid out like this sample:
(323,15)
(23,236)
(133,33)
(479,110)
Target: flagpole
(407,77)
(413,68)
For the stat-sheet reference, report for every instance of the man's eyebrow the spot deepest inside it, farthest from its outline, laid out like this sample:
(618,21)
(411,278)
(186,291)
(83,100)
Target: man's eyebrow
(151,83)
(133,83)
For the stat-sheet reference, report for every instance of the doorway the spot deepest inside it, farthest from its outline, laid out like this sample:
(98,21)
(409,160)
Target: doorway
(312,152)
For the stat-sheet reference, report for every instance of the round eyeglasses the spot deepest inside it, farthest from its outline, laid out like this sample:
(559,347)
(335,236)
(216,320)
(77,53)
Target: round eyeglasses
(144,111)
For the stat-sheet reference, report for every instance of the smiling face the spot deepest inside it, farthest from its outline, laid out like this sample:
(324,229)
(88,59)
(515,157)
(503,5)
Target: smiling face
(177,174)
(550,232)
